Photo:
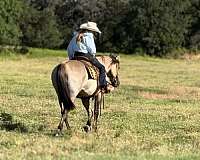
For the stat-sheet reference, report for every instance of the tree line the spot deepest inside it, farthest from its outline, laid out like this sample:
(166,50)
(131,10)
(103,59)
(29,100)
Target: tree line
(154,27)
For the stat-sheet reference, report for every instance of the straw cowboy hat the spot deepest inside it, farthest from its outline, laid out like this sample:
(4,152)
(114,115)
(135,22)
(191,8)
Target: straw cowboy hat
(92,26)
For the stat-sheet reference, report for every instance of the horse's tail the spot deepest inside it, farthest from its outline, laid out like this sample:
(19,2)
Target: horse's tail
(63,90)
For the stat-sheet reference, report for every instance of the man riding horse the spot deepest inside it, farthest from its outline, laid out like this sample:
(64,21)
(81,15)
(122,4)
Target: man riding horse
(71,79)
(82,44)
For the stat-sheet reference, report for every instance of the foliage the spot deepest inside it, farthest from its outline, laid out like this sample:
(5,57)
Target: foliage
(39,27)
(10,11)
(156,27)
(194,34)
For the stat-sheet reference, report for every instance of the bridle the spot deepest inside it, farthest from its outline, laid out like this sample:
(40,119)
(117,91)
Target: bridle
(114,80)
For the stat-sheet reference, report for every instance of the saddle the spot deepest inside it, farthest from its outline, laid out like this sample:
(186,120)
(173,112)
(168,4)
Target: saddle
(93,72)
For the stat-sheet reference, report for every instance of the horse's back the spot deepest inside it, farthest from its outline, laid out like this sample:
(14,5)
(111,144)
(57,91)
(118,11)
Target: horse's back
(74,68)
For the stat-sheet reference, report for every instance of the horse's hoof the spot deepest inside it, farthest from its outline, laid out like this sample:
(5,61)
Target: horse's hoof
(87,128)
(58,134)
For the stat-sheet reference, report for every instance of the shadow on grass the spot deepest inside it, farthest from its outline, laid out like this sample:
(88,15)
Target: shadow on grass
(7,123)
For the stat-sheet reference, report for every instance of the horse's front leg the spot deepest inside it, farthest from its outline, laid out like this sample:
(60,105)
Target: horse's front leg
(97,104)
(86,103)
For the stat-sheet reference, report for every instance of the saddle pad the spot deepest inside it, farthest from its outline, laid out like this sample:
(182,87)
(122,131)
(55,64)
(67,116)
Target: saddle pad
(93,72)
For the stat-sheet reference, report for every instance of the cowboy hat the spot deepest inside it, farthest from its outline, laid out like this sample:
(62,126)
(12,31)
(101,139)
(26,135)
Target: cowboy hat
(92,26)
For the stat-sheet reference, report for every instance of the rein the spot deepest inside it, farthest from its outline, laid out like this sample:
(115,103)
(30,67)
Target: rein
(102,99)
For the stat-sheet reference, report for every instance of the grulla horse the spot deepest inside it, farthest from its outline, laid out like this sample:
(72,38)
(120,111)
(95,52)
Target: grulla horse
(70,80)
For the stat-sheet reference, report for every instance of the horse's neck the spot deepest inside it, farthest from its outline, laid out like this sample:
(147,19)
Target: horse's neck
(105,60)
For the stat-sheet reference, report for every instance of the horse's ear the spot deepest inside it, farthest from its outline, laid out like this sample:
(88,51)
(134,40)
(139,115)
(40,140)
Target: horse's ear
(115,57)
(118,58)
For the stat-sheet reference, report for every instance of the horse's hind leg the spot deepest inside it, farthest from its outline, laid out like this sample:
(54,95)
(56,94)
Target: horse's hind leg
(66,120)
(62,120)
(86,103)
(60,126)
(64,116)
(97,104)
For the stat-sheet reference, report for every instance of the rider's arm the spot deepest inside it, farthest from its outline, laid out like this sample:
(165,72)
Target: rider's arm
(70,51)
(72,47)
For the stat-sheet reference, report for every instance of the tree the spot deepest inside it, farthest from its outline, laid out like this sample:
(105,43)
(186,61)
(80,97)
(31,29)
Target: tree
(193,39)
(106,13)
(10,12)
(157,26)
(39,26)
(153,26)
(109,15)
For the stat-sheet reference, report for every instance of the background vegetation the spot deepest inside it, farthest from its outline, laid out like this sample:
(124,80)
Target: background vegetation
(154,27)
(153,115)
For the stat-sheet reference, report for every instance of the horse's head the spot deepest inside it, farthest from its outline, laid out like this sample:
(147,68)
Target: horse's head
(113,70)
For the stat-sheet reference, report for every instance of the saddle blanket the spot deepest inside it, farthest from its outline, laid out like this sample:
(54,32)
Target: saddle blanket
(93,72)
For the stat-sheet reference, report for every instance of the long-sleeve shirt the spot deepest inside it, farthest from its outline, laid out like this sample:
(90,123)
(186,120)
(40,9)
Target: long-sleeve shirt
(86,45)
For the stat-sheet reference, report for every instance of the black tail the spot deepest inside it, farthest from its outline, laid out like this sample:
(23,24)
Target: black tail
(62,90)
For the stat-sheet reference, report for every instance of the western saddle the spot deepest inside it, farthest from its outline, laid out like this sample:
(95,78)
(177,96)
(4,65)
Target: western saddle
(93,72)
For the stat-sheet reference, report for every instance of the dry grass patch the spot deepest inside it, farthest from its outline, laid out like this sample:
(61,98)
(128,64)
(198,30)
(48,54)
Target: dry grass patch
(178,92)
(191,57)
(156,96)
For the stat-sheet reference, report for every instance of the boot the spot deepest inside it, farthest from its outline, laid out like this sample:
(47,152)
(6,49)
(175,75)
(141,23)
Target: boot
(104,87)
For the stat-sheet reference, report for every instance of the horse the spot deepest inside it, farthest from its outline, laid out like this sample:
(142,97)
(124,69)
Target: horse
(70,80)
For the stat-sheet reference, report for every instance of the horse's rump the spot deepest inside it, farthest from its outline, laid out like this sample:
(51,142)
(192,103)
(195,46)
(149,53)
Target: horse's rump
(63,90)
(70,79)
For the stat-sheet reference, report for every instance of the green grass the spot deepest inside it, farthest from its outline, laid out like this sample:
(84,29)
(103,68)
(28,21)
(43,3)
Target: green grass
(154,114)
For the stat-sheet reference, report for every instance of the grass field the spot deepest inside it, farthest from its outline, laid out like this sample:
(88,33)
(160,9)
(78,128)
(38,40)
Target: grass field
(155,113)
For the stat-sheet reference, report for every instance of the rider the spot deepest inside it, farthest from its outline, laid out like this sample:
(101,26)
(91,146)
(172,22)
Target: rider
(82,44)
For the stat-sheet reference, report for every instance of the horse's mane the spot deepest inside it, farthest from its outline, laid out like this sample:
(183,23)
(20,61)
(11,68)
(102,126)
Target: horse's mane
(114,57)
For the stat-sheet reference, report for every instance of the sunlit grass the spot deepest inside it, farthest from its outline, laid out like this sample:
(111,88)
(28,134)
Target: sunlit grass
(154,114)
